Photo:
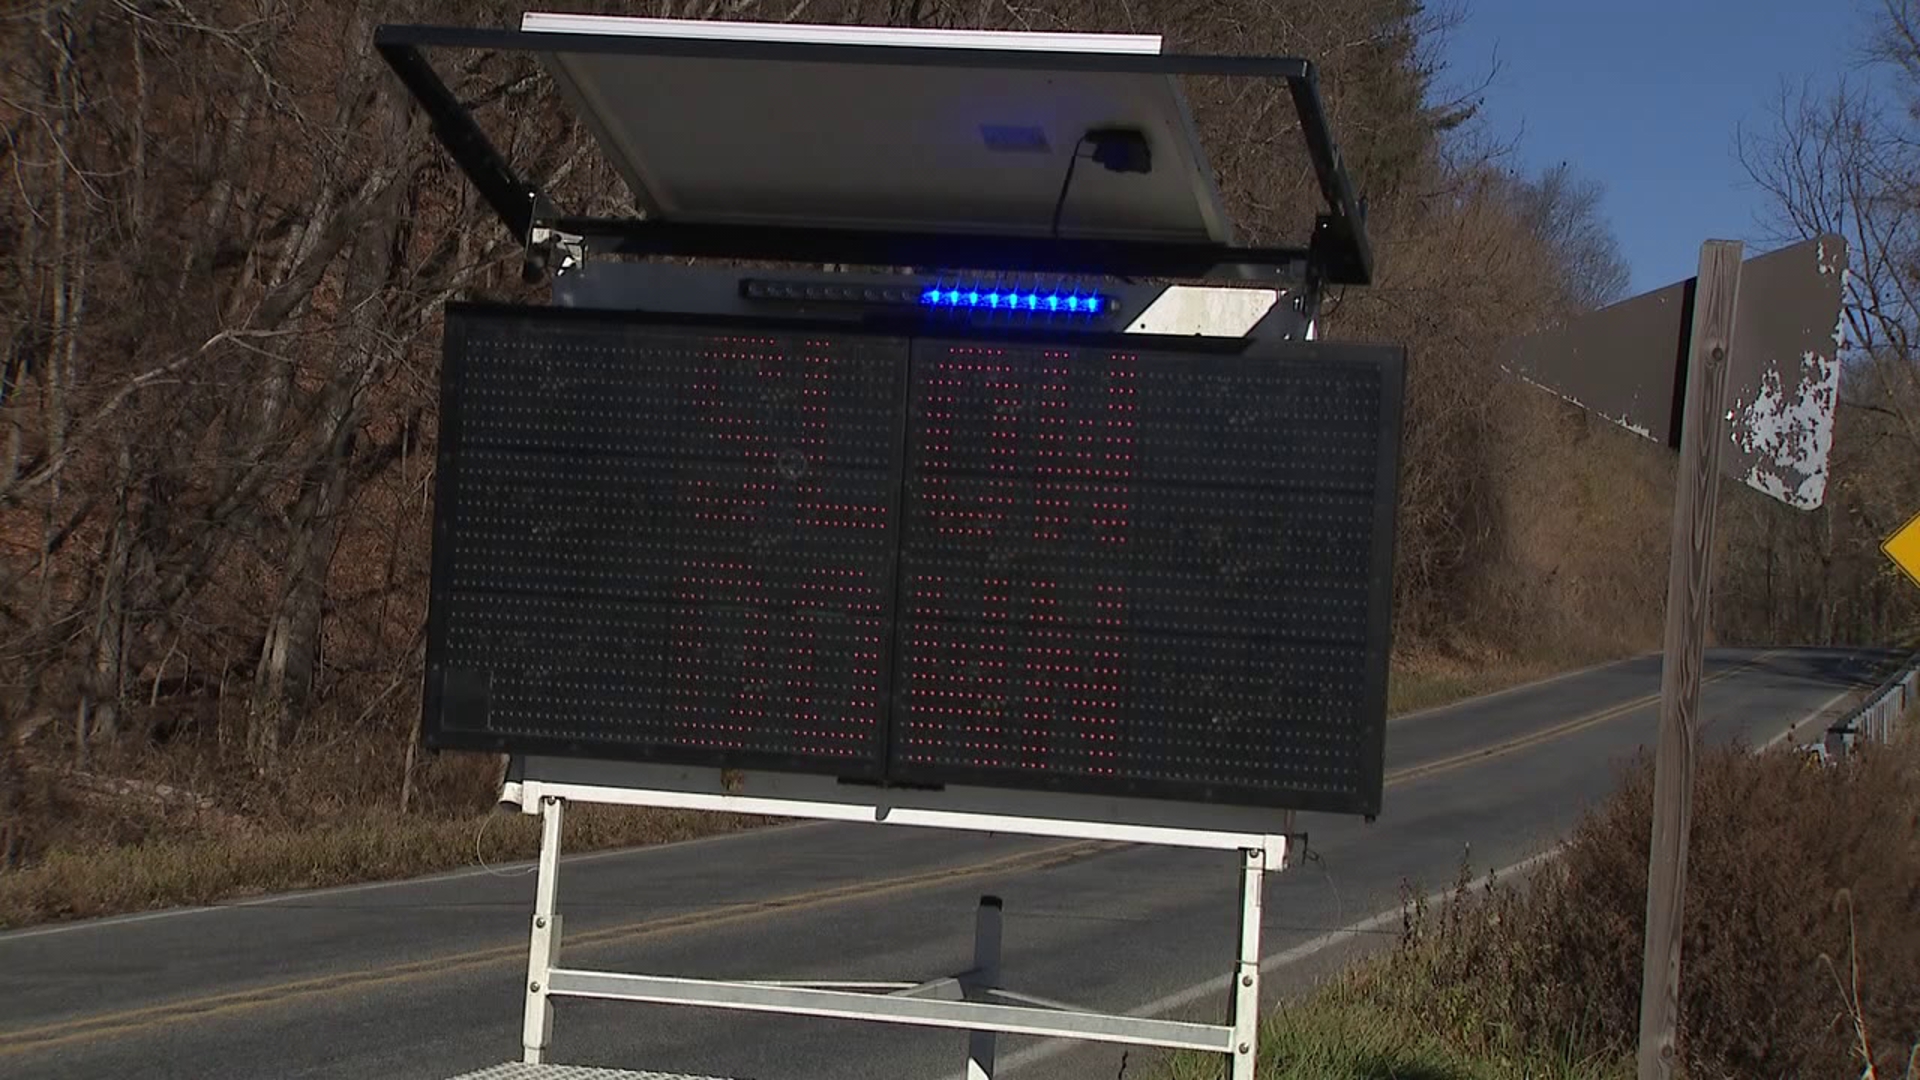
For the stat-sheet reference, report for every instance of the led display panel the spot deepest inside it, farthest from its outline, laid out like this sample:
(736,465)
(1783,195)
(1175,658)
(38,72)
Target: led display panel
(1071,562)
(663,542)
(1147,573)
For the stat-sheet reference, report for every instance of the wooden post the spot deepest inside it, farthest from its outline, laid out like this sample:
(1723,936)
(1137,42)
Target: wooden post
(1703,430)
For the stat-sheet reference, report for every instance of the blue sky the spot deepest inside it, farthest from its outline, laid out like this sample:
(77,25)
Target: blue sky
(1647,98)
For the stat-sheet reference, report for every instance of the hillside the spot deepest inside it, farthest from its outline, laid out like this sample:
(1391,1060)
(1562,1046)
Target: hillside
(226,240)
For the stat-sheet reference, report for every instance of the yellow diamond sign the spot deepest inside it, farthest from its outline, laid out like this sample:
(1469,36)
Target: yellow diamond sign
(1903,547)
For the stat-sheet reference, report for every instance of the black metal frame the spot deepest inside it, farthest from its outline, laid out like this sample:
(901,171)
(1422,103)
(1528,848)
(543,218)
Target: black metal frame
(716,290)
(1338,253)
(1390,360)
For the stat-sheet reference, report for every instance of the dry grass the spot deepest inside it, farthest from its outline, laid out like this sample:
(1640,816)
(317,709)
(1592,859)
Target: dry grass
(88,847)
(1430,681)
(1790,865)
(200,869)
(1801,955)
(1346,1033)
(146,831)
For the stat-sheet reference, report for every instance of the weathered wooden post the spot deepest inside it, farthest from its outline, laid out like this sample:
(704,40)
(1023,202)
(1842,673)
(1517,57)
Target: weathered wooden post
(1689,577)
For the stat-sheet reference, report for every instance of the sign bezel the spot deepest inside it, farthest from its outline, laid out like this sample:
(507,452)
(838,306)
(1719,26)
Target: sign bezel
(874,771)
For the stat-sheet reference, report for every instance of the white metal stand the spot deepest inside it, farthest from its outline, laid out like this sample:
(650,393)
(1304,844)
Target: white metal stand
(537,1028)
(973,1000)
(985,979)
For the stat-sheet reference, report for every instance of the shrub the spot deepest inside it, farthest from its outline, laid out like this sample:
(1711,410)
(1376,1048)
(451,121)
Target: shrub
(1795,873)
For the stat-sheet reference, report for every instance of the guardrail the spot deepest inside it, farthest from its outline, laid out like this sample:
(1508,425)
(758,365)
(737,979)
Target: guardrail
(1873,719)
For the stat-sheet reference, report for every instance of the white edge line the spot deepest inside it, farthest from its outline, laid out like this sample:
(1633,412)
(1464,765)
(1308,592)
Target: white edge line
(109,921)
(1814,715)
(1328,940)
(596,856)
(1305,950)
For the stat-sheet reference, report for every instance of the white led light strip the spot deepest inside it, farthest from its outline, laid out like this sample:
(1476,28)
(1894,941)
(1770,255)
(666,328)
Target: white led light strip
(818,34)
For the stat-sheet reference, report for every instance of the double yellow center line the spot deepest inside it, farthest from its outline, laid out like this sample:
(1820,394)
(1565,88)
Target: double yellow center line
(1558,731)
(51,1036)
(130,1021)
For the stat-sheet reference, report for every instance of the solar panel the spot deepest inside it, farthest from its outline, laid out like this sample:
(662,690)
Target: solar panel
(761,137)
(1086,562)
(886,146)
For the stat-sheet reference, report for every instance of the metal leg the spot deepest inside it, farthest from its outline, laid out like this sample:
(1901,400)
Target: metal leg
(1246,976)
(985,975)
(537,1028)
(981,1007)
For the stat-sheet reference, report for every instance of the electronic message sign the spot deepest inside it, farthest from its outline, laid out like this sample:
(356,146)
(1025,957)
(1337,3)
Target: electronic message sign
(1085,562)
(1142,572)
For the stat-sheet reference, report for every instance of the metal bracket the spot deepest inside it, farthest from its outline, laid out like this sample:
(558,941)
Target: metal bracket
(1339,252)
(543,951)
(972,1000)
(544,241)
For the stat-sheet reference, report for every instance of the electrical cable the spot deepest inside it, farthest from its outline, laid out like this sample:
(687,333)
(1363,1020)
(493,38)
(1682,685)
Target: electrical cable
(480,853)
(1066,182)
(1339,906)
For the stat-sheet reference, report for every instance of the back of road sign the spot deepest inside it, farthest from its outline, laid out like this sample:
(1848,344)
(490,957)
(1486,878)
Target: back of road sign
(1627,364)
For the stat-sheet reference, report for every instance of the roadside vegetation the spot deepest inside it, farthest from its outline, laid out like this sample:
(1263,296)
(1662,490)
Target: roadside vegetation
(225,245)
(224,240)
(165,863)
(113,846)
(1801,956)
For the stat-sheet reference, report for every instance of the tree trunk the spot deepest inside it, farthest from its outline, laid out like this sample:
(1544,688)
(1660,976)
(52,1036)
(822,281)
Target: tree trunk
(289,655)
(110,625)
(1772,622)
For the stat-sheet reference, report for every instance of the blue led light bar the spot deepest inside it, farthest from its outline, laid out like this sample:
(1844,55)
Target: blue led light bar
(1016,300)
(987,298)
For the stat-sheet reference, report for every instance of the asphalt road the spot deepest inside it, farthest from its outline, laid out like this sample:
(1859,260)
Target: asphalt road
(422,979)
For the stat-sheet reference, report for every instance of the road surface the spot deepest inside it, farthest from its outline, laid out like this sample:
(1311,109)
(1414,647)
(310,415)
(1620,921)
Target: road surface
(422,979)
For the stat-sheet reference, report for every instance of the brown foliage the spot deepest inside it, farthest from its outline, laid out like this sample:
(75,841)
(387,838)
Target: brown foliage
(1794,873)
(220,266)
(1844,160)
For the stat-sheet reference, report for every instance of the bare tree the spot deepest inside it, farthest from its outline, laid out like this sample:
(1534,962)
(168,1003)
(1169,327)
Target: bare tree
(226,234)
(1563,210)
(250,227)
(1846,160)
